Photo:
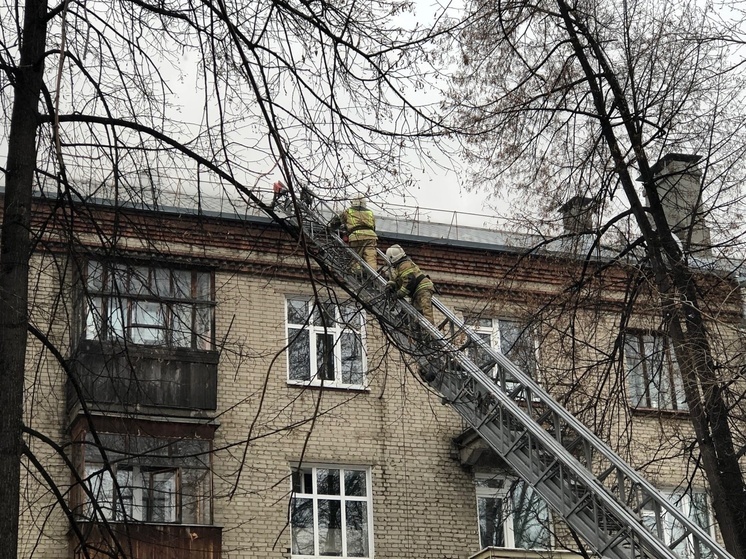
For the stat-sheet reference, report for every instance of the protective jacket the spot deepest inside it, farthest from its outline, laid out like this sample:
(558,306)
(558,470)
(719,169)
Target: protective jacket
(409,278)
(359,223)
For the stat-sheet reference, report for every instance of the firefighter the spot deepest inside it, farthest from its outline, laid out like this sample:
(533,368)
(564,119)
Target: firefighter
(360,224)
(406,279)
(280,194)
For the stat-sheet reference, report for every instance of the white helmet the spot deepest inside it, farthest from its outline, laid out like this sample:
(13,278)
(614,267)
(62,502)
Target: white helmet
(360,201)
(395,253)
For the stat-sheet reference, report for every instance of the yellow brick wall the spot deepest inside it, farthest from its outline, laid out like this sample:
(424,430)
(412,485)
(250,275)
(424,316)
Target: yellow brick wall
(422,498)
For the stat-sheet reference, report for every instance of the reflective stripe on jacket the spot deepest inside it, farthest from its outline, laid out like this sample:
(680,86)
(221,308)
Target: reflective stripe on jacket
(409,278)
(360,223)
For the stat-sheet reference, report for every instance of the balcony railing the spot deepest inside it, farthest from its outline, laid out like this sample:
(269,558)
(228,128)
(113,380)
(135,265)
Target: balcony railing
(128,375)
(146,541)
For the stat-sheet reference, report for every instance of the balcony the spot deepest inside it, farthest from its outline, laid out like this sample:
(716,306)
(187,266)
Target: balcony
(119,377)
(146,541)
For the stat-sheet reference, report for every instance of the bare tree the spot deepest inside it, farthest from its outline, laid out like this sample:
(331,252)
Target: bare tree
(576,101)
(314,92)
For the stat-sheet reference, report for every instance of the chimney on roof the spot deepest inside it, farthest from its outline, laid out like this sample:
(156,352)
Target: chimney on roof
(578,215)
(678,181)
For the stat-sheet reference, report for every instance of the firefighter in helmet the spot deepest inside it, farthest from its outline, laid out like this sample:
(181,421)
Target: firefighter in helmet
(406,279)
(360,224)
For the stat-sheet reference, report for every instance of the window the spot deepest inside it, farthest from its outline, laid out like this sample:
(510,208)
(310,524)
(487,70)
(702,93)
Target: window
(149,305)
(325,344)
(330,512)
(148,479)
(694,505)
(653,375)
(511,514)
(511,338)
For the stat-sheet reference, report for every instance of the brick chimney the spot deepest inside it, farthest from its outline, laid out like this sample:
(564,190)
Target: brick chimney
(678,180)
(578,215)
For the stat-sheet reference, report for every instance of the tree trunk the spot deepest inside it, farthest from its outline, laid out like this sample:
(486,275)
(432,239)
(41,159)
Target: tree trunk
(709,415)
(14,265)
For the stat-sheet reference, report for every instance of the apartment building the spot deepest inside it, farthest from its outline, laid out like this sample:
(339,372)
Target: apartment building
(216,395)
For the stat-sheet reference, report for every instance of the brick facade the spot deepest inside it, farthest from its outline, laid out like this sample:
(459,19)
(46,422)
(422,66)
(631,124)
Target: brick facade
(423,498)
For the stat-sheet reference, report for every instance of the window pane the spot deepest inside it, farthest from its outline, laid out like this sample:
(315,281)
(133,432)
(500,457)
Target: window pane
(678,384)
(325,356)
(530,519)
(302,481)
(635,372)
(148,314)
(324,315)
(491,530)
(117,318)
(192,453)
(161,496)
(480,356)
(653,377)
(140,281)
(700,515)
(101,489)
(327,482)
(94,314)
(182,284)
(330,527)
(124,497)
(484,323)
(117,279)
(148,323)
(517,344)
(195,496)
(297,311)
(181,333)
(299,355)
(95,277)
(355,485)
(301,521)
(356,516)
(352,358)
(351,317)
(163,282)
(204,291)
(204,327)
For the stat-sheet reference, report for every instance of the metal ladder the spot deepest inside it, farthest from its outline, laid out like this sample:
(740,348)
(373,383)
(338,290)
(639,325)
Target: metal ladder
(596,492)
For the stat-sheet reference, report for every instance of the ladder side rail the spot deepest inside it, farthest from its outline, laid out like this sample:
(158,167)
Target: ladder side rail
(571,466)
(591,438)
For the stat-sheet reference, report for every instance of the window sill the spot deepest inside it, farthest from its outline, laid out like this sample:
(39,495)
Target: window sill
(87,522)
(648,412)
(334,387)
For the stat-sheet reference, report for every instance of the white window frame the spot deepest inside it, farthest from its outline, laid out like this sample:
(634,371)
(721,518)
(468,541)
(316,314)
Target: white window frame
(300,491)
(648,388)
(506,484)
(682,500)
(337,329)
(492,330)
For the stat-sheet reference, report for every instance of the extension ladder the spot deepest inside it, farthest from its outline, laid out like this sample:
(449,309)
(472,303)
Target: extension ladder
(596,492)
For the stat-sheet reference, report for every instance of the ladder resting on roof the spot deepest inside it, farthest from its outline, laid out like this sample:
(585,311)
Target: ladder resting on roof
(586,483)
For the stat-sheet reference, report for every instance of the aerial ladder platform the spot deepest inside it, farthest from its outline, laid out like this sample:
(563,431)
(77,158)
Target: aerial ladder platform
(581,478)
